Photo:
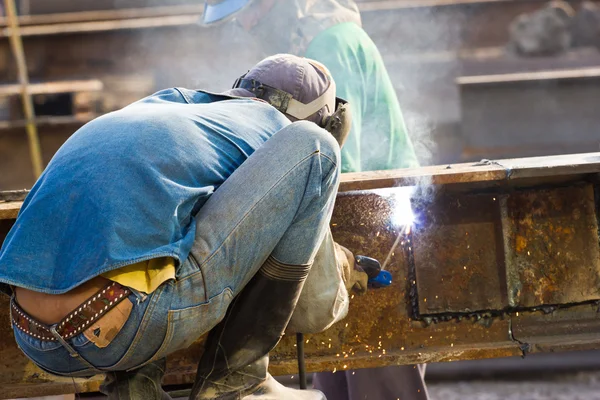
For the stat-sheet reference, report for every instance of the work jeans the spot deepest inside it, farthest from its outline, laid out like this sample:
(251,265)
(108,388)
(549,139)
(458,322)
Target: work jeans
(277,203)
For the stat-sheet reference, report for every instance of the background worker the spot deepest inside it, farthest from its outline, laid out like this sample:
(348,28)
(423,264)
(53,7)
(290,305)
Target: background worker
(330,31)
(183,213)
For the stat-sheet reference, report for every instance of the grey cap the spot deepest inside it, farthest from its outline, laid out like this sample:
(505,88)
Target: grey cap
(306,80)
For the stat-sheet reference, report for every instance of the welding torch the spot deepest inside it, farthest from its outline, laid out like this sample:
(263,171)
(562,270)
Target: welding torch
(378,278)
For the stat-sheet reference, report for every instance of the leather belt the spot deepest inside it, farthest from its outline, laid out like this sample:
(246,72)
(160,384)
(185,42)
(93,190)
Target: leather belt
(88,312)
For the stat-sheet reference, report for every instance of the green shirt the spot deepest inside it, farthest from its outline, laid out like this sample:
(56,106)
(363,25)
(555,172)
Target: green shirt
(378,139)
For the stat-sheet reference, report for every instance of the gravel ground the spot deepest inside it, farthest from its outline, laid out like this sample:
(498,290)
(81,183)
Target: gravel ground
(581,386)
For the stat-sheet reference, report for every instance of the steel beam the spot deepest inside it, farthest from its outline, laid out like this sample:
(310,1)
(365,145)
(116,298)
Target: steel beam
(502,260)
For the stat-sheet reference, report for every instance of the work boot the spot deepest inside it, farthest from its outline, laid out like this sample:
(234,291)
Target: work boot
(235,360)
(140,384)
(254,383)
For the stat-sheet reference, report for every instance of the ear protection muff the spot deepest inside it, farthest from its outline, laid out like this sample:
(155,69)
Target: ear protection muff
(336,121)
(340,122)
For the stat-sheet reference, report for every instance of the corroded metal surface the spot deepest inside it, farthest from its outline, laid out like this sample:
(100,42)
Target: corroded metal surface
(457,226)
(572,326)
(13,195)
(552,246)
(458,254)
(507,249)
(485,173)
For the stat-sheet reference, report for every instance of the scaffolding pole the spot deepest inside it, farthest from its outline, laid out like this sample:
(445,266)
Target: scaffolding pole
(16,45)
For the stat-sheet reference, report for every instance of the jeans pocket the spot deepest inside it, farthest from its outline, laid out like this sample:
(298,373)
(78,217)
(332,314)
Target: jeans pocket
(140,337)
(103,331)
(188,324)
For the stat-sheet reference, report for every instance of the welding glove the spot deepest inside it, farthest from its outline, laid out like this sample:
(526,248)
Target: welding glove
(354,277)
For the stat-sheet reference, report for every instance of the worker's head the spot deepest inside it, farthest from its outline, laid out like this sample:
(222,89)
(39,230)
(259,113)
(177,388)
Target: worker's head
(300,88)
(247,12)
(248,17)
(280,26)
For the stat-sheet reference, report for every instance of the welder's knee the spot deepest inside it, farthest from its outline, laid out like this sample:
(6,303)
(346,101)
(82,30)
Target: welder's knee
(311,135)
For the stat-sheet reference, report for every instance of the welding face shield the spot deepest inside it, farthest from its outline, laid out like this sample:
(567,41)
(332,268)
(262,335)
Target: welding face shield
(328,111)
(219,11)
(229,12)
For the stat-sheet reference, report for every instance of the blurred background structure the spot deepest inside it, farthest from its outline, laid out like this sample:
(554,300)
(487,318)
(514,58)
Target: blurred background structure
(468,91)
(476,79)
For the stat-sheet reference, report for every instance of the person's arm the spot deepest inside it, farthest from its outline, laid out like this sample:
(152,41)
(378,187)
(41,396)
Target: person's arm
(378,139)
(385,140)
(324,298)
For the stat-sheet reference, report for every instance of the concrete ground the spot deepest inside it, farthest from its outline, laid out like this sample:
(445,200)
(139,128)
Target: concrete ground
(581,386)
(577,386)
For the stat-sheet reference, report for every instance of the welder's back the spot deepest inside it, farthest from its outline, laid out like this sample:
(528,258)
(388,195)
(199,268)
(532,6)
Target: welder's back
(125,186)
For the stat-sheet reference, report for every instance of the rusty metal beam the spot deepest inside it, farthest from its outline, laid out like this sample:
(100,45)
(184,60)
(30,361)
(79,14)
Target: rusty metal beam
(503,260)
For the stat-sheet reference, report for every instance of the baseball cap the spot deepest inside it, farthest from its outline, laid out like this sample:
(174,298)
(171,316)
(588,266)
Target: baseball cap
(308,86)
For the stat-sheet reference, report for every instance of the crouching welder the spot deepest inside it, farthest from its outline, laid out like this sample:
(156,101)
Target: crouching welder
(183,213)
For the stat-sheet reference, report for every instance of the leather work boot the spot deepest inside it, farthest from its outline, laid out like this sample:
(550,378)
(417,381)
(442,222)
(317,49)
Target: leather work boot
(235,360)
(140,384)
(254,383)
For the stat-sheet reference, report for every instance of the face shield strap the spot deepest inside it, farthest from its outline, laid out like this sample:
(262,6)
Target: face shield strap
(277,98)
(284,101)
(338,123)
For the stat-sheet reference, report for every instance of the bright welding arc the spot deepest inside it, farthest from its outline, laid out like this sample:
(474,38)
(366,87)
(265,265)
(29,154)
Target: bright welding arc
(403,216)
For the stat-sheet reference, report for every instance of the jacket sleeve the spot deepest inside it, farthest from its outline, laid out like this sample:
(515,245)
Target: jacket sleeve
(324,298)
(378,138)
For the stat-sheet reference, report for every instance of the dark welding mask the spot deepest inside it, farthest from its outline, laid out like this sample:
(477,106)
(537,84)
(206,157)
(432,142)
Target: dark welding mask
(336,118)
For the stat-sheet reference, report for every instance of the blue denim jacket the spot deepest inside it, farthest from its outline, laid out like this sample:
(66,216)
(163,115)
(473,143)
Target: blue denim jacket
(125,187)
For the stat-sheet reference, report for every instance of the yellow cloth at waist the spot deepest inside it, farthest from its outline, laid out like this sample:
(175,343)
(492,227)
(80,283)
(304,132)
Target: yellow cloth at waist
(144,276)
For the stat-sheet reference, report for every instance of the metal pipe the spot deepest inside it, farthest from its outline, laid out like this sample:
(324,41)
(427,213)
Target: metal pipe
(16,45)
